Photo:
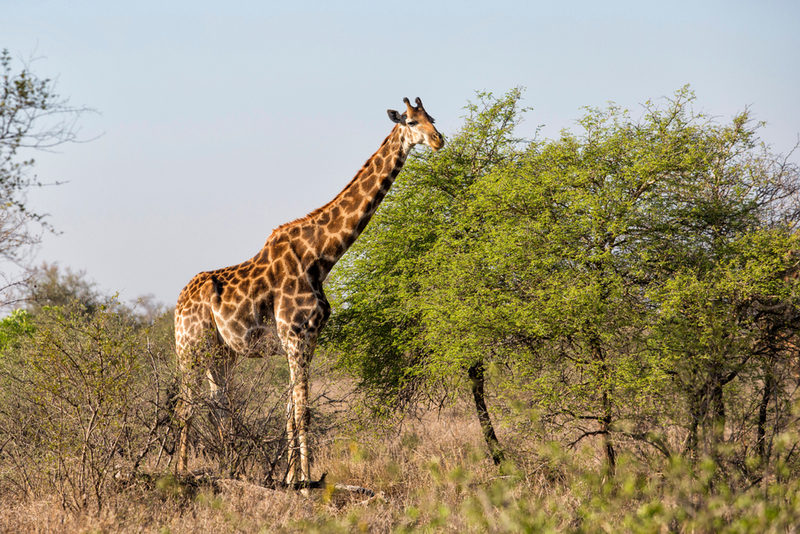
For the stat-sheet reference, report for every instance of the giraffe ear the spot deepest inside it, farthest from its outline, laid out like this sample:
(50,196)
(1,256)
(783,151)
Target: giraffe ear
(396,117)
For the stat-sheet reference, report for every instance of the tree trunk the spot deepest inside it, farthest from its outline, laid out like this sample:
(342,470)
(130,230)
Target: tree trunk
(761,429)
(608,443)
(607,417)
(693,439)
(718,417)
(476,378)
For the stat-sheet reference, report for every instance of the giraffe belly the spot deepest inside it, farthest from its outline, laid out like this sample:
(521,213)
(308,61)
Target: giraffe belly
(262,341)
(249,339)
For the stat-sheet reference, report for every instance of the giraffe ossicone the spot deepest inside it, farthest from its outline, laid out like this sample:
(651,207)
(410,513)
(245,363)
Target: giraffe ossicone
(274,301)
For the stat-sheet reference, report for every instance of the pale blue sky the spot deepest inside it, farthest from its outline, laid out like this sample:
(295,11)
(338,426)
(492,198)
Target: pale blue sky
(220,121)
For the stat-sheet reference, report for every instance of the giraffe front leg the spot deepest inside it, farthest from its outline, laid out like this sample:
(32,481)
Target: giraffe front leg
(297,329)
(301,413)
(297,412)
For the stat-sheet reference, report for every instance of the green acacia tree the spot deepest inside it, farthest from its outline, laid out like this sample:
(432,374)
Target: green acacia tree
(566,266)
(577,264)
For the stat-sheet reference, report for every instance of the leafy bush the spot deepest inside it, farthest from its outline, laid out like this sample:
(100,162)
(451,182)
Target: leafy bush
(633,283)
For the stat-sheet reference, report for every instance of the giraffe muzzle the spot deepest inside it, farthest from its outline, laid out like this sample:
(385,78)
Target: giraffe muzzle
(437,141)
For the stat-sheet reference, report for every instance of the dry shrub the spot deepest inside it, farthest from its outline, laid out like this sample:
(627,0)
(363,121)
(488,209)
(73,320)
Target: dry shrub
(81,404)
(87,403)
(433,475)
(241,434)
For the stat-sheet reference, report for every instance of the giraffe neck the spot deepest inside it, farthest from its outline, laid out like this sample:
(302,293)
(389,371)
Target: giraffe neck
(339,223)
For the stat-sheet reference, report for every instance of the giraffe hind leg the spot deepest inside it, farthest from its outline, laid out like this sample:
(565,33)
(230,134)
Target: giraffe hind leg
(192,360)
(184,411)
(218,375)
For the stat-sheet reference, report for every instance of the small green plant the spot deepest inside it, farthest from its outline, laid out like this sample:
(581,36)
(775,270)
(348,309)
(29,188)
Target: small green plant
(14,328)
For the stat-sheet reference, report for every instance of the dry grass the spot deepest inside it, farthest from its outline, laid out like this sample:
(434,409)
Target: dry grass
(432,475)
(426,464)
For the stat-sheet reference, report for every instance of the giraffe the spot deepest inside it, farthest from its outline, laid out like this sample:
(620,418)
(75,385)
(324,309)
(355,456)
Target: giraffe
(277,294)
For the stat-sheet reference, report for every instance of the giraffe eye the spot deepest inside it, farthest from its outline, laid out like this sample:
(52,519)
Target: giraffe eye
(411,123)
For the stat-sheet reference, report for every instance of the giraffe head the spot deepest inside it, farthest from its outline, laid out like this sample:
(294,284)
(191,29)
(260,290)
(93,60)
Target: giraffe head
(418,124)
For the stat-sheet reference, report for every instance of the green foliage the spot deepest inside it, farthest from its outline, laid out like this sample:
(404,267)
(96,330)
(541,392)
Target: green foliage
(624,281)
(577,252)
(15,327)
